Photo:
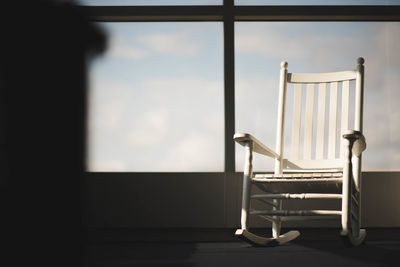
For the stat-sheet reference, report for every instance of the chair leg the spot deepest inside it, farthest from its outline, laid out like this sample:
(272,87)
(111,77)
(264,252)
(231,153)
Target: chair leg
(254,239)
(248,172)
(350,240)
(245,202)
(351,233)
(276,225)
(243,233)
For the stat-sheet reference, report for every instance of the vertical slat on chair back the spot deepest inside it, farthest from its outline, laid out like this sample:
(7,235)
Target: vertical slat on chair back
(320,144)
(308,128)
(332,120)
(345,112)
(319,135)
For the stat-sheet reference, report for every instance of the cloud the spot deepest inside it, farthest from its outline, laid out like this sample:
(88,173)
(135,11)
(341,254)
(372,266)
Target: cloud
(186,86)
(196,152)
(280,41)
(150,131)
(127,52)
(107,102)
(170,43)
(120,48)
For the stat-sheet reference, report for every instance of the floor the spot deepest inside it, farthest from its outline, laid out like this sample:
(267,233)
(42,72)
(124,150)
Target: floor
(299,253)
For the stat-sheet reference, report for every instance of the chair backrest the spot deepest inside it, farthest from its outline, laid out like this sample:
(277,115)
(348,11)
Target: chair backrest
(314,134)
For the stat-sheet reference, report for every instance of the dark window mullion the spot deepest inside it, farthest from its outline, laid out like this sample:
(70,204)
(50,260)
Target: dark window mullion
(229,90)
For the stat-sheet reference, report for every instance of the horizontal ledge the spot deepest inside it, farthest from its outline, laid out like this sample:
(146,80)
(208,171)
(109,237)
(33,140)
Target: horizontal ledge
(307,180)
(296,212)
(153,13)
(241,13)
(297,196)
(308,218)
(153,18)
(298,175)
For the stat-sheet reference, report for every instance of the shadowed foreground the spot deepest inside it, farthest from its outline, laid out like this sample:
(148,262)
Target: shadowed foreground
(302,253)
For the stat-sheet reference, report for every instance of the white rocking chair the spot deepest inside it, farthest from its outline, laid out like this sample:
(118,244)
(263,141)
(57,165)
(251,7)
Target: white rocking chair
(313,167)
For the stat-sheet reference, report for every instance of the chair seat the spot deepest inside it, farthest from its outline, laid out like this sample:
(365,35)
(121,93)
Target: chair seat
(330,177)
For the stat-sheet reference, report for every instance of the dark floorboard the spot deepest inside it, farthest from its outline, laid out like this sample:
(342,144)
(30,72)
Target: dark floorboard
(300,253)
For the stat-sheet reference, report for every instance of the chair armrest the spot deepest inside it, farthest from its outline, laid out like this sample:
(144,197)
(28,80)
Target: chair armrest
(258,147)
(357,141)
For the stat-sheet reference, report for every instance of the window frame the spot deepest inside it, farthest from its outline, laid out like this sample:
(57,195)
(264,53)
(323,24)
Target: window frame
(228,13)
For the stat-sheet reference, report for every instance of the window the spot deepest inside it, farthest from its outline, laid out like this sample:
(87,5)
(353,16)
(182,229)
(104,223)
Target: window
(156,99)
(260,44)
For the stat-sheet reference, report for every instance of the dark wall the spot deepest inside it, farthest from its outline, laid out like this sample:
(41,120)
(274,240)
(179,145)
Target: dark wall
(43,95)
(118,200)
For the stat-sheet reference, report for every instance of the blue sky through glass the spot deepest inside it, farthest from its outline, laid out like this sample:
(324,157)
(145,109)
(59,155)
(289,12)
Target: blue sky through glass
(156,98)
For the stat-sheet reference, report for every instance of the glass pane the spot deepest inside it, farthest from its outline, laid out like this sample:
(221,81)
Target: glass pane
(317,2)
(156,99)
(147,2)
(319,47)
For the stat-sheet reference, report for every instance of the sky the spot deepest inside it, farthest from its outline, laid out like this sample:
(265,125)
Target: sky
(157,98)
(156,95)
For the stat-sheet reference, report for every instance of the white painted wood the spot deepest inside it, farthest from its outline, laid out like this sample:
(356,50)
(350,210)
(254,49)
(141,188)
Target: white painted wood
(347,171)
(308,218)
(266,241)
(300,175)
(276,225)
(299,180)
(299,164)
(286,237)
(359,143)
(296,125)
(359,95)
(281,117)
(297,196)
(308,126)
(258,146)
(321,77)
(355,241)
(359,127)
(359,117)
(332,120)
(344,121)
(247,174)
(296,212)
(319,149)
(344,171)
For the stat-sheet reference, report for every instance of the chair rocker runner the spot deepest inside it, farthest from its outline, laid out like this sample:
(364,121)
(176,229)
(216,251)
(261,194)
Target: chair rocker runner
(315,165)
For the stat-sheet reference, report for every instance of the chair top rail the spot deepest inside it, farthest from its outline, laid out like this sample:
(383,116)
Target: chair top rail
(321,77)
